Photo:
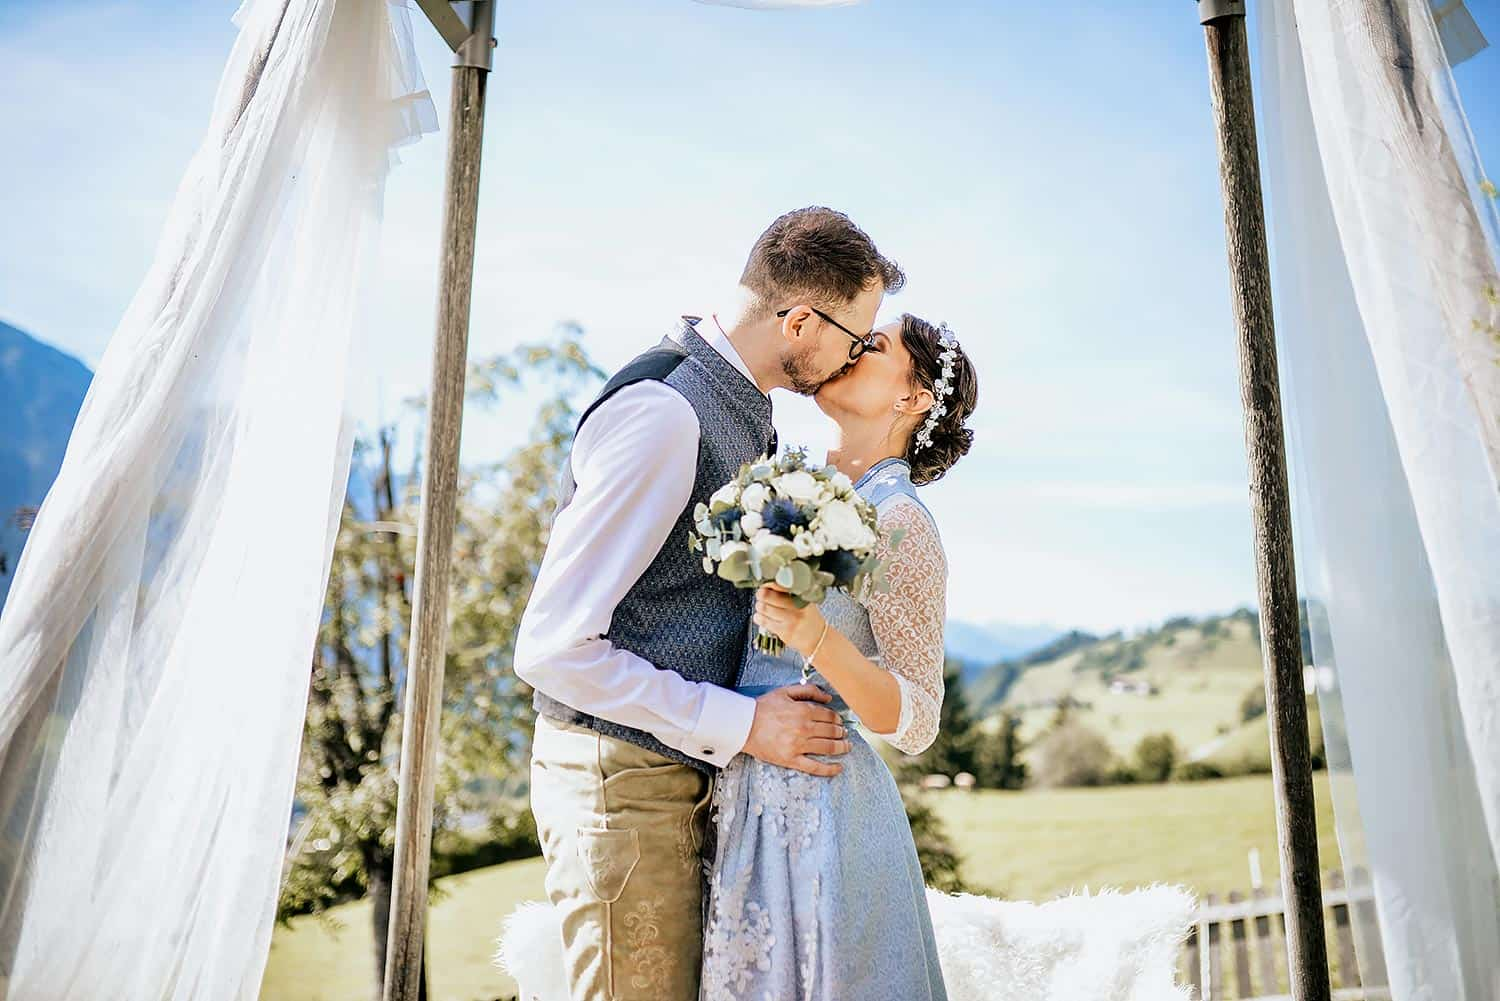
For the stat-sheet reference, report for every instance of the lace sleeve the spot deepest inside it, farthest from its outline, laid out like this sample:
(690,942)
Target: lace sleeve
(908,620)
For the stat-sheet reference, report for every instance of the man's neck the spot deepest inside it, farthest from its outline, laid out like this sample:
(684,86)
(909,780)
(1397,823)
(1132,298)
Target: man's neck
(751,344)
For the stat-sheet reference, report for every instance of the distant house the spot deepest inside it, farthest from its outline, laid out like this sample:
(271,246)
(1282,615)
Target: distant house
(1131,686)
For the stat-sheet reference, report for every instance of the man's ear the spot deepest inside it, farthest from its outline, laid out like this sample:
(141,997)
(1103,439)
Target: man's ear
(793,324)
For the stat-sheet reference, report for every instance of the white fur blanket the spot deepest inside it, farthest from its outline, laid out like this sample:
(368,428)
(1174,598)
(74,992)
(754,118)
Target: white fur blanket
(1111,945)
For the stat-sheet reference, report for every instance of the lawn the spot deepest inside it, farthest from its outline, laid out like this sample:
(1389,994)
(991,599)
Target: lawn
(1030,845)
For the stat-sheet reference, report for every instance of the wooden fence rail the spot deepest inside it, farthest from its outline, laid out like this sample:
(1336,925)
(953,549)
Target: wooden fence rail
(1237,948)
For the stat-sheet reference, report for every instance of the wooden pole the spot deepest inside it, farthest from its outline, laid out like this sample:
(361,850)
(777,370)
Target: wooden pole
(1281,639)
(429,636)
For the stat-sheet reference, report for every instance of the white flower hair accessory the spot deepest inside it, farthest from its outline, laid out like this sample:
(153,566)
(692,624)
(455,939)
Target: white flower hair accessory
(941,389)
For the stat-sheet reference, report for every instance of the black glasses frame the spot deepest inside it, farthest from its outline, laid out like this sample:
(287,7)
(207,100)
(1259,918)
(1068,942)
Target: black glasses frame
(860,345)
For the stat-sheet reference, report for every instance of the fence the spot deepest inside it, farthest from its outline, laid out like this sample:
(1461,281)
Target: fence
(1237,948)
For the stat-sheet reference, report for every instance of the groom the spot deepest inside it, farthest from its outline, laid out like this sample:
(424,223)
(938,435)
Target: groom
(633,649)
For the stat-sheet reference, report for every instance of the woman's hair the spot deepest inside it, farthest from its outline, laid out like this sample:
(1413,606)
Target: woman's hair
(950,440)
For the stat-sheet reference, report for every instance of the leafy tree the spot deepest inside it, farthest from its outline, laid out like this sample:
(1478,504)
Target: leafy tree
(1071,754)
(1155,757)
(346,786)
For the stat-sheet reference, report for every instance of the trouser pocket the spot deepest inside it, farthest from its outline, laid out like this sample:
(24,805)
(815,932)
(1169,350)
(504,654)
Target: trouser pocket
(608,858)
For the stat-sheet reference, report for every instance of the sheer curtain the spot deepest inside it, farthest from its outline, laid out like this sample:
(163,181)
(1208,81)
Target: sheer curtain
(156,644)
(1383,246)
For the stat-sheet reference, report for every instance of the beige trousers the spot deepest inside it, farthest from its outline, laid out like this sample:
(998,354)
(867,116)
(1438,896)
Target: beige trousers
(622,830)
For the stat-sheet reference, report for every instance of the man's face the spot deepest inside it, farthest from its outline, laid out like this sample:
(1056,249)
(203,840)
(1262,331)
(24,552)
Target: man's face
(819,351)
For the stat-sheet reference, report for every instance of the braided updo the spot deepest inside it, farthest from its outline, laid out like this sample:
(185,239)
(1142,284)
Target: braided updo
(950,440)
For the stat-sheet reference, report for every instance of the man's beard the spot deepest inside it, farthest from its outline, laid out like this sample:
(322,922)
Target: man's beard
(799,375)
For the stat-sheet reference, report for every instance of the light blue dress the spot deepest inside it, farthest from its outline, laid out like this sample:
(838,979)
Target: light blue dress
(816,893)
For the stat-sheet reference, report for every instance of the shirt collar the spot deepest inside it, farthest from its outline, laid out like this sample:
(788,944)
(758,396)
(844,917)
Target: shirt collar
(708,329)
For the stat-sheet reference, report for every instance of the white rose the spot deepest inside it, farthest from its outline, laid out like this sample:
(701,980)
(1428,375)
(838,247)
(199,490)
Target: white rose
(750,523)
(798,485)
(727,495)
(755,496)
(840,525)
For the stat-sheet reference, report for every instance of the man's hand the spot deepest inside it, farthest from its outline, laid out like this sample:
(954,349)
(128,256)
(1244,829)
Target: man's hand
(790,724)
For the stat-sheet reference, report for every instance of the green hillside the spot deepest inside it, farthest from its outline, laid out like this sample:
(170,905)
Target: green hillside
(1191,678)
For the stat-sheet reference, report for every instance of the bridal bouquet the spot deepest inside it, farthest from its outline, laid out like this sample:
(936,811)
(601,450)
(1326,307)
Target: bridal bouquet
(780,521)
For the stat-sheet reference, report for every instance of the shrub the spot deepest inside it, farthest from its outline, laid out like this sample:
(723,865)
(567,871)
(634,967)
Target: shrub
(1072,754)
(1155,757)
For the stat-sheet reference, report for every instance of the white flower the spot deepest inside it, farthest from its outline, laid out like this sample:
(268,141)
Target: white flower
(841,483)
(728,549)
(727,495)
(804,544)
(841,527)
(799,486)
(750,523)
(755,496)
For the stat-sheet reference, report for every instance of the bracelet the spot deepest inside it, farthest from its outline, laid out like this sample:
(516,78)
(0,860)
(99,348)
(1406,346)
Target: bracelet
(818,645)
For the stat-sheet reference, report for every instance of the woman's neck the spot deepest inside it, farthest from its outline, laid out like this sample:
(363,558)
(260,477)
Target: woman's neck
(856,450)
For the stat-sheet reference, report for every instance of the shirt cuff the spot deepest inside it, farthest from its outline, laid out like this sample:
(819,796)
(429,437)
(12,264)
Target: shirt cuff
(723,726)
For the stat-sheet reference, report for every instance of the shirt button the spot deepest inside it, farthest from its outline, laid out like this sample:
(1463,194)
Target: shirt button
(708,751)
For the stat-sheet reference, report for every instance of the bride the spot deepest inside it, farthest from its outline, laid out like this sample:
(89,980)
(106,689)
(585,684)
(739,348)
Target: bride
(816,892)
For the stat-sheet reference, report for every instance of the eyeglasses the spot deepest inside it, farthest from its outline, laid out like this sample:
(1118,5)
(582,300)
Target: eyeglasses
(860,345)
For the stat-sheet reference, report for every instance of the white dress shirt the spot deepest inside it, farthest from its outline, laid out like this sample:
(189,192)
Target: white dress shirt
(634,462)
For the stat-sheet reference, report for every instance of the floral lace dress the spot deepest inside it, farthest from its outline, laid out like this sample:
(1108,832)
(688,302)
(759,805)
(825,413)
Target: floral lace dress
(816,893)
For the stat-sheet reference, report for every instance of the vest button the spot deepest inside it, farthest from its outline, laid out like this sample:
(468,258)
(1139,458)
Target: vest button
(708,751)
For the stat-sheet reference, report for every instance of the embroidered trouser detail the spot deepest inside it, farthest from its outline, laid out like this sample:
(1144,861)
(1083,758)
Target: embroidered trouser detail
(622,829)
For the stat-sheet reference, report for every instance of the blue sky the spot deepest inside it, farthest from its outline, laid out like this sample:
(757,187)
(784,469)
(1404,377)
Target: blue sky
(1046,174)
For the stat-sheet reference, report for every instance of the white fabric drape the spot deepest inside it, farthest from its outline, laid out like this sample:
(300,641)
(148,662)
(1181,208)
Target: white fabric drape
(1385,294)
(156,645)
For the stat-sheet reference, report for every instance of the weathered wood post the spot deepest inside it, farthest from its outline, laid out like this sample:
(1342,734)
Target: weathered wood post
(1281,641)
(470,37)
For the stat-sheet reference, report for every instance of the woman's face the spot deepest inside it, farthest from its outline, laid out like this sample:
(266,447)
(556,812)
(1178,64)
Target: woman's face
(877,384)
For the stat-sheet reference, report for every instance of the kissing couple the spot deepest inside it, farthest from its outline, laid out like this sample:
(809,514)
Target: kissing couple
(714,826)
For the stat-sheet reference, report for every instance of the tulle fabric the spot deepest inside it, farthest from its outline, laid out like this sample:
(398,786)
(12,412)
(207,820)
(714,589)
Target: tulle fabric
(155,647)
(1385,284)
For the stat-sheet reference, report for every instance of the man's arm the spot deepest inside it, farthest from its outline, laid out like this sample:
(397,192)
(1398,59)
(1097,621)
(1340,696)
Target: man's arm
(634,462)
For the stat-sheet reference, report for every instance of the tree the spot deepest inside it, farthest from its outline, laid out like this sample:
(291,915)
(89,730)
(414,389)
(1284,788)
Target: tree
(939,860)
(1071,755)
(1155,757)
(346,785)
(1000,765)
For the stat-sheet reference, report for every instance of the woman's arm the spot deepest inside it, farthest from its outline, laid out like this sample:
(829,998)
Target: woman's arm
(901,698)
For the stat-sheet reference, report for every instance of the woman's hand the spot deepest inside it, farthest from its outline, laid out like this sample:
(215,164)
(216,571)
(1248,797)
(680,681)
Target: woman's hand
(776,612)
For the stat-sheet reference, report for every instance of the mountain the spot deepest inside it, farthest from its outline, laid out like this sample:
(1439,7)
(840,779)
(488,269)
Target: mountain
(1196,678)
(41,389)
(978,646)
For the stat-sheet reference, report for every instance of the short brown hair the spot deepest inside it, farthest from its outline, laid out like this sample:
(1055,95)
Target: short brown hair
(818,253)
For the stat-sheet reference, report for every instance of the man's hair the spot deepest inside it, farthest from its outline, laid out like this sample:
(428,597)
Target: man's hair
(817,254)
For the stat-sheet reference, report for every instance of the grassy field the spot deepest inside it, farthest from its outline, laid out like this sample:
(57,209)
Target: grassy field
(1027,845)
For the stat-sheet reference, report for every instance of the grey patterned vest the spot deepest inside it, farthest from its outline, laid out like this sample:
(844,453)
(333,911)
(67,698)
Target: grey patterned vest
(675,615)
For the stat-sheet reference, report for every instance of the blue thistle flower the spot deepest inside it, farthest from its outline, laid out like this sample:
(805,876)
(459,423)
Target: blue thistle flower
(781,514)
(726,519)
(843,564)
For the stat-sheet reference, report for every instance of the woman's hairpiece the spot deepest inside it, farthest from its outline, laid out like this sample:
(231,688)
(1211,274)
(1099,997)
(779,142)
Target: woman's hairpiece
(941,389)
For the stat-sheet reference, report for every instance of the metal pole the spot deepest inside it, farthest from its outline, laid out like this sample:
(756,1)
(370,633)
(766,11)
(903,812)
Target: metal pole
(429,637)
(1281,641)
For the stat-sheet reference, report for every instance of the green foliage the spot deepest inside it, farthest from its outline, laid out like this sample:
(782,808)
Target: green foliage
(1197,771)
(1072,754)
(940,862)
(1155,757)
(346,785)
(1253,704)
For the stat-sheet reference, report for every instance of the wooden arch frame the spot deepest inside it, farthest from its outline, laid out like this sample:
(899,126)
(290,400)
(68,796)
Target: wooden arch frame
(467,27)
